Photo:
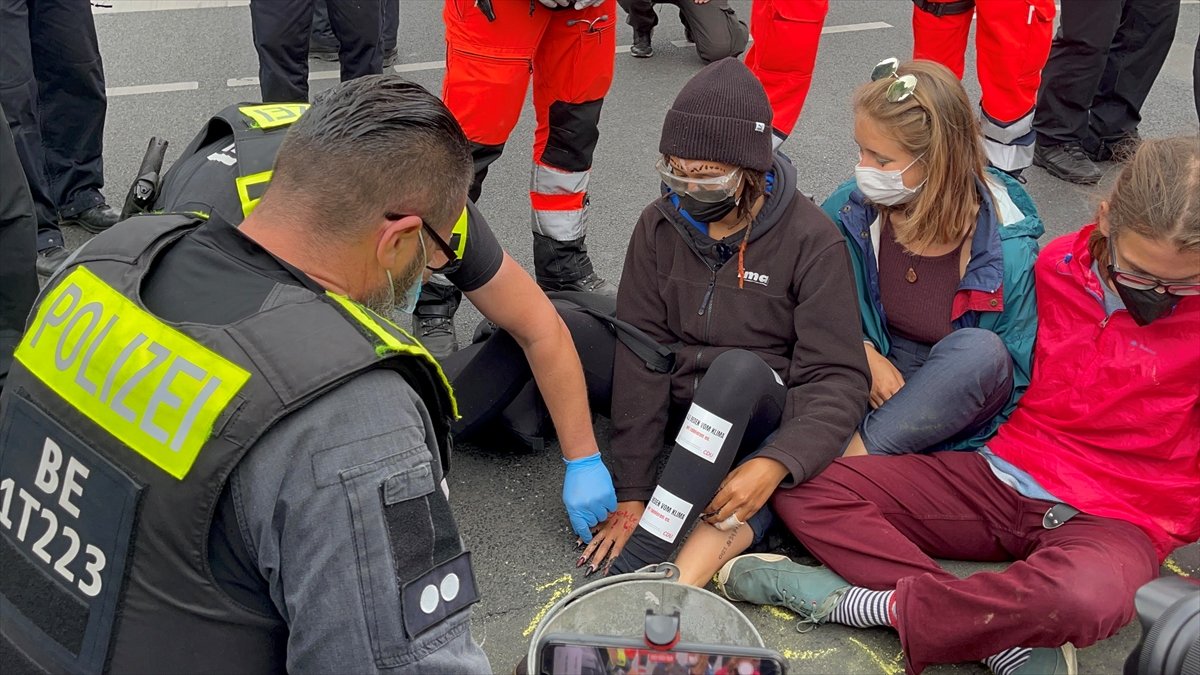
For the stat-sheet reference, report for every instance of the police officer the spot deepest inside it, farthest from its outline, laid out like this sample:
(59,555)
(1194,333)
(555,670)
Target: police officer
(52,89)
(1103,61)
(216,455)
(281,37)
(225,170)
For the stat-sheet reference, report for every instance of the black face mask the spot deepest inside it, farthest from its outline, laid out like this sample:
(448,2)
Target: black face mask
(1144,306)
(706,212)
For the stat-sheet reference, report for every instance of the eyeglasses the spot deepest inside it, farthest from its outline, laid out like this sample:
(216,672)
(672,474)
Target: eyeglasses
(1142,282)
(705,189)
(453,262)
(902,88)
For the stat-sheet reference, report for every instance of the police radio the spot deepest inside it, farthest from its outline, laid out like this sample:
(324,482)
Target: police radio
(646,623)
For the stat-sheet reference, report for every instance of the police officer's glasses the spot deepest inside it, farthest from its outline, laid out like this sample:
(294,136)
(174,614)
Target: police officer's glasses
(902,88)
(452,260)
(1145,282)
(705,188)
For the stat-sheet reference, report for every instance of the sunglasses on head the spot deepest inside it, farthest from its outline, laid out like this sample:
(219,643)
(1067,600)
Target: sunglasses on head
(453,262)
(1145,282)
(902,88)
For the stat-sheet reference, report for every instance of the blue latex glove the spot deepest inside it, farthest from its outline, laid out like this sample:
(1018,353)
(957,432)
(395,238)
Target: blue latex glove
(588,493)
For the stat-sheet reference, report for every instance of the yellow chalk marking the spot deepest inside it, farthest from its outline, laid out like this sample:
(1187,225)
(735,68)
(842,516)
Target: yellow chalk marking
(807,654)
(888,667)
(564,584)
(780,613)
(1170,564)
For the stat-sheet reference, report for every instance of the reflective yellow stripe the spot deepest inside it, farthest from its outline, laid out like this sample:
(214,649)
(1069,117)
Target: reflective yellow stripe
(153,388)
(460,231)
(272,115)
(391,343)
(245,183)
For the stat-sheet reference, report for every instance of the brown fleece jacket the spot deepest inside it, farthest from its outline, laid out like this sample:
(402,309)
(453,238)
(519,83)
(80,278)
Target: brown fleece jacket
(797,310)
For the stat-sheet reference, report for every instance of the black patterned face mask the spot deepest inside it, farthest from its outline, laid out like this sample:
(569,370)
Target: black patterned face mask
(706,212)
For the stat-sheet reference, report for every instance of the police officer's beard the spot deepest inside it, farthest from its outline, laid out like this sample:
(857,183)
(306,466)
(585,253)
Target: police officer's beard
(382,300)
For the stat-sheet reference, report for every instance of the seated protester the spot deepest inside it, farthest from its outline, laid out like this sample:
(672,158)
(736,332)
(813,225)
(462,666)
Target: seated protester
(1089,485)
(943,258)
(224,169)
(749,282)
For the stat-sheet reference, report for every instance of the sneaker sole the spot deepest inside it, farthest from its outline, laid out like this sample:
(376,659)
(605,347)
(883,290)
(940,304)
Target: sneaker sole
(641,56)
(1062,175)
(1072,658)
(727,568)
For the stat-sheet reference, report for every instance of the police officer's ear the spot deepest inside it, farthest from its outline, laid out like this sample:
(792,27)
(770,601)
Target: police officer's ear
(397,239)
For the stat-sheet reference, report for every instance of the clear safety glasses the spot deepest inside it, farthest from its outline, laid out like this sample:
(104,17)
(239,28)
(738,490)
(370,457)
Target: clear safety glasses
(902,88)
(1143,282)
(705,189)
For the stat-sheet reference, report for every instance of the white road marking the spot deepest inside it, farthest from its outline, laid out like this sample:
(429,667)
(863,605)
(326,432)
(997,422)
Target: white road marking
(123,6)
(316,75)
(151,88)
(827,30)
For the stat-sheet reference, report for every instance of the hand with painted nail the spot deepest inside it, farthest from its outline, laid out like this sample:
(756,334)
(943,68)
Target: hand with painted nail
(588,493)
(611,537)
(745,490)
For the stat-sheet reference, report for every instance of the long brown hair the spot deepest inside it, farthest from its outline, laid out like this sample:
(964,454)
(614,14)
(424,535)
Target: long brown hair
(1156,196)
(936,123)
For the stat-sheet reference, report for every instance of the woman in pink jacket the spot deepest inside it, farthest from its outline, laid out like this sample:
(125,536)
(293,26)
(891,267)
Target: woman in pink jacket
(1088,486)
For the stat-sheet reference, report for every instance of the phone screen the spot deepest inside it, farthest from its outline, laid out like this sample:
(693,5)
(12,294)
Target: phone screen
(575,659)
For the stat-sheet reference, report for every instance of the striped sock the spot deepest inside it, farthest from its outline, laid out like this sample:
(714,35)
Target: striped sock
(863,608)
(1008,661)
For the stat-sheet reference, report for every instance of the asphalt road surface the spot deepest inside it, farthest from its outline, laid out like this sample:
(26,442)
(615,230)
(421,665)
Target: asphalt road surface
(170,64)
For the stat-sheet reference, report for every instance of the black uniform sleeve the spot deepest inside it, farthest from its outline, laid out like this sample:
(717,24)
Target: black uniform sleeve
(481,253)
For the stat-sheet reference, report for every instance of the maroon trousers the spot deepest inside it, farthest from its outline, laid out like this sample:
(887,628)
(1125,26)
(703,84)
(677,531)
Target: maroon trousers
(878,520)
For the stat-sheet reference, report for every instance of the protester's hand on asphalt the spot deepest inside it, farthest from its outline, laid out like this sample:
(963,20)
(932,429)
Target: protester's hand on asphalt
(885,379)
(588,494)
(745,490)
(611,536)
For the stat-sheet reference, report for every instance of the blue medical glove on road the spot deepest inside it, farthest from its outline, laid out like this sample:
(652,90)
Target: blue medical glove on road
(588,493)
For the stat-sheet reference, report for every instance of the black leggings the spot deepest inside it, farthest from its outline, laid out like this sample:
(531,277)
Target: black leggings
(738,405)
(488,376)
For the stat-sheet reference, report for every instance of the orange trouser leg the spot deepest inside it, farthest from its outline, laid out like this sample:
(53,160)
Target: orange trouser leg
(786,34)
(572,71)
(1012,43)
(941,38)
(488,67)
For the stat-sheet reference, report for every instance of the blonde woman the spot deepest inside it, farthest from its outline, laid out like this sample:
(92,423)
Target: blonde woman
(943,254)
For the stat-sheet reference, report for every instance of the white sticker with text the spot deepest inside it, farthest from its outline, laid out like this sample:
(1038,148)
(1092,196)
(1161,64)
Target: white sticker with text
(665,514)
(703,433)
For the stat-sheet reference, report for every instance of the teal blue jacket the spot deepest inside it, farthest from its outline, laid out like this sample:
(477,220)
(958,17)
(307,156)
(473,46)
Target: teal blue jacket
(996,292)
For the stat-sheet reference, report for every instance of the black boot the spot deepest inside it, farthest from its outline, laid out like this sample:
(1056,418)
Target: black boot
(96,219)
(1068,162)
(433,319)
(50,259)
(641,48)
(565,266)
(1118,149)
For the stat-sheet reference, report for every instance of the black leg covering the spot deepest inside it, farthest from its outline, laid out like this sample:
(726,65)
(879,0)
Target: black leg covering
(482,157)
(556,262)
(739,390)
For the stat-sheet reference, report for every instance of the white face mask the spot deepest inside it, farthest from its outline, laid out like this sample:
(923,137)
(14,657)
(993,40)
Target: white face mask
(886,187)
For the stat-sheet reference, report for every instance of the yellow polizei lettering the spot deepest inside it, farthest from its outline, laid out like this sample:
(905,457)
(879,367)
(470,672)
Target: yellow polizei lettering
(155,389)
(271,115)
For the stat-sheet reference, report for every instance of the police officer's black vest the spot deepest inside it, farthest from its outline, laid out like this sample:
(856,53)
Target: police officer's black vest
(118,433)
(226,168)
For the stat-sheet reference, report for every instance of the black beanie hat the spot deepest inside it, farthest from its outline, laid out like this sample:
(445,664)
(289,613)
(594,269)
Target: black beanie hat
(721,115)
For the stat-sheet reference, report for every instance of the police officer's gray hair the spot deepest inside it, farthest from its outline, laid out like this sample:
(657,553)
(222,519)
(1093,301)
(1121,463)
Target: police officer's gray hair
(375,145)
